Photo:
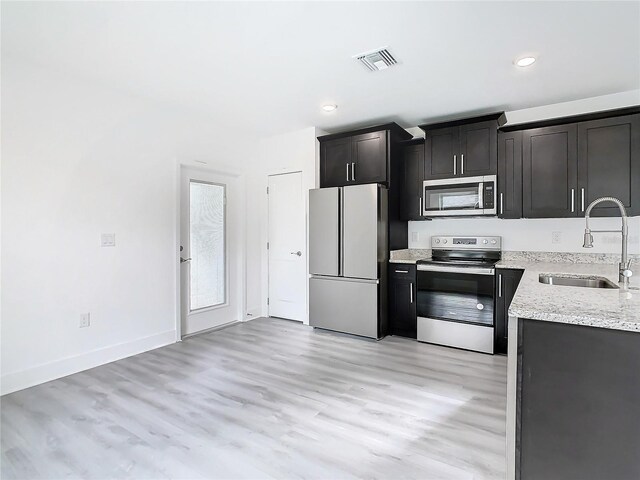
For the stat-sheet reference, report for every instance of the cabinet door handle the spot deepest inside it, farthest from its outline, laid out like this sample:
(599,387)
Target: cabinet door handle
(454,165)
(353,171)
(402,271)
(462,164)
(420,211)
(411,293)
(347,172)
(501,203)
(573,199)
(582,197)
(500,285)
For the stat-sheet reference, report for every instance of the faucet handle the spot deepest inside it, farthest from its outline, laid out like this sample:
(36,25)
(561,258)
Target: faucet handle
(627,273)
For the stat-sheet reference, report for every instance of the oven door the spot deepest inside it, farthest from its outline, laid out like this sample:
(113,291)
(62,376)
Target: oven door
(456,294)
(455,196)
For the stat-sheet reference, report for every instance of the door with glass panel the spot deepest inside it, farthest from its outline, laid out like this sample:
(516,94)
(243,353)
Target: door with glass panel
(206,251)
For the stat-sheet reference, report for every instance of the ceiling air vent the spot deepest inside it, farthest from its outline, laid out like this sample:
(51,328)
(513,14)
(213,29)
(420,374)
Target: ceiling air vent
(375,60)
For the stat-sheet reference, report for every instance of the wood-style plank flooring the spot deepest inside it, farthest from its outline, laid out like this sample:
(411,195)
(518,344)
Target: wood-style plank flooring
(266,399)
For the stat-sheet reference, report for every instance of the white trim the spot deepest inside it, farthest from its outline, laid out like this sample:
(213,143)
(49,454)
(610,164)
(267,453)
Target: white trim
(12,382)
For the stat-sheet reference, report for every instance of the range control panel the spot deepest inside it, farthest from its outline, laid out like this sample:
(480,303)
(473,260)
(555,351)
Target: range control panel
(466,243)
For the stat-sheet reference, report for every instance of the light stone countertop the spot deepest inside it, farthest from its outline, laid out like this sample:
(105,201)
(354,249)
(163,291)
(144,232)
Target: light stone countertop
(594,307)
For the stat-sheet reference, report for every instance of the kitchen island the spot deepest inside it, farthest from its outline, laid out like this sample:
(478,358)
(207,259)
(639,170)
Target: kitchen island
(573,403)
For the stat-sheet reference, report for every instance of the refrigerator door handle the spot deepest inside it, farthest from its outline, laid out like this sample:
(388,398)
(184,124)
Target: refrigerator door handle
(341,231)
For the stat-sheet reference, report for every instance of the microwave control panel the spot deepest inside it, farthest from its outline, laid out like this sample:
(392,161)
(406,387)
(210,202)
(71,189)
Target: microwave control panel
(489,195)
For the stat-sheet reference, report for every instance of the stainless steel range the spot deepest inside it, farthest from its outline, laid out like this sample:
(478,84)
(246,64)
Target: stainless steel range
(455,294)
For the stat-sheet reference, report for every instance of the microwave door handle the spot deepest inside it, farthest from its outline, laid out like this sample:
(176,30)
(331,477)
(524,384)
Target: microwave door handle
(480,193)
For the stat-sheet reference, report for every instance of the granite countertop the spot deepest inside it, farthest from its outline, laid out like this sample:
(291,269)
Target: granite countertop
(409,255)
(594,307)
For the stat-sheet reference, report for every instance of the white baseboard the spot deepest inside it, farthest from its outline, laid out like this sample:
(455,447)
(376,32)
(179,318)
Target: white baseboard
(12,382)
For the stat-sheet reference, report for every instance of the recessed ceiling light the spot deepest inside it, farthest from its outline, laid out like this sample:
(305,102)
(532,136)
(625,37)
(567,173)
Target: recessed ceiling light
(525,61)
(329,107)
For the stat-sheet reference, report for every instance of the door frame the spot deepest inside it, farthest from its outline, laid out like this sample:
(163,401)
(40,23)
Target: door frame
(305,321)
(241,254)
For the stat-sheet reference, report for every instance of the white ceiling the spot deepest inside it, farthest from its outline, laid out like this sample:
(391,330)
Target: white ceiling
(268,67)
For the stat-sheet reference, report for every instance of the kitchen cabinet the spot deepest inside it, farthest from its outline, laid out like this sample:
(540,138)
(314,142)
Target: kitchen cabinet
(609,164)
(369,158)
(507,281)
(359,157)
(336,160)
(550,171)
(577,397)
(565,166)
(462,148)
(509,175)
(411,180)
(402,300)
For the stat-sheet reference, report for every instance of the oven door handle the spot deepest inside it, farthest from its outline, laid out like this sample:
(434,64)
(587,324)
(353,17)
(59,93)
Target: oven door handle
(467,270)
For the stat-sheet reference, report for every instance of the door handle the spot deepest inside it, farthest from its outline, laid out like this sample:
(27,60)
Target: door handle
(353,171)
(411,293)
(420,211)
(454,165)
(501,204)
(573,199)
(500,285)
(582,195)
(298,253)
(184,260)
(462,164)
(347,172)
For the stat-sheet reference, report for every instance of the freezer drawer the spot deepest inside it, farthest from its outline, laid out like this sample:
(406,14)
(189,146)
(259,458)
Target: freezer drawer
(324,231)
(344,305)
(456,334)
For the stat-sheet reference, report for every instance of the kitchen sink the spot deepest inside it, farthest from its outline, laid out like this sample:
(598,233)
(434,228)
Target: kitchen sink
(577,281)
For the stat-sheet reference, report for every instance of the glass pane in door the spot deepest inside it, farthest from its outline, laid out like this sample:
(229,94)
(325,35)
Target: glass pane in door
(207,244)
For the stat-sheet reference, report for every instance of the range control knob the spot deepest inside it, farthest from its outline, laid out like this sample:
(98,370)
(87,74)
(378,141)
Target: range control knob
(437,240)
(493,242)
(485,241)
(444,241)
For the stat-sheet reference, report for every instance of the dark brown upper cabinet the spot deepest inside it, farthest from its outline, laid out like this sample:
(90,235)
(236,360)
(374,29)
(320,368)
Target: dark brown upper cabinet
(336,160)
(369,158)
(358,157)
(609,164)
(567,166)
(509,175)
(411,180)
(550,172)
(462,148)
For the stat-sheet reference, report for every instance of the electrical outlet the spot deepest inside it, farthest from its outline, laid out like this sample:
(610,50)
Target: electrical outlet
(85,320)
(556,237)
(108,240)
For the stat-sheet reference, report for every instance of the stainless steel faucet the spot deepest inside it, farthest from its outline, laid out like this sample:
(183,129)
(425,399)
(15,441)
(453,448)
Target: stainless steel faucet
(624,267)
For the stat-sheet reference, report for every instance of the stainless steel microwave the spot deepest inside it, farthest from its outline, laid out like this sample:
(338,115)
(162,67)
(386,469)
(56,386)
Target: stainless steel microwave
(459,196)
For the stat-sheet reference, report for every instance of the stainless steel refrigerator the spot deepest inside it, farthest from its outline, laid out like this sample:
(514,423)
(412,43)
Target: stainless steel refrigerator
(348,240)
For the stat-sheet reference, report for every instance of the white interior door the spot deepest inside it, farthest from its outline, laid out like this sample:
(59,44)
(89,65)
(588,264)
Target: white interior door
(209,257)
(287,247)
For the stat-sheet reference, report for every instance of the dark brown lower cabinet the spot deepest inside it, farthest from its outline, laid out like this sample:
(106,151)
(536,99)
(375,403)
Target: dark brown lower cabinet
(402,300)
(507,281)
(577,402)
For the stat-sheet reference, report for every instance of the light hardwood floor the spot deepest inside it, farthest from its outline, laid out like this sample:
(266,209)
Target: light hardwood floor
(266,399)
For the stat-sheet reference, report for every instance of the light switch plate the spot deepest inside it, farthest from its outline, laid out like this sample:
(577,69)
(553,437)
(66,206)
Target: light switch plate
(108,240)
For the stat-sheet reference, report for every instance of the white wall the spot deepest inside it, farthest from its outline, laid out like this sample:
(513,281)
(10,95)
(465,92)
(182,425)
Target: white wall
(79,160)
(290,152)
(531,234)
